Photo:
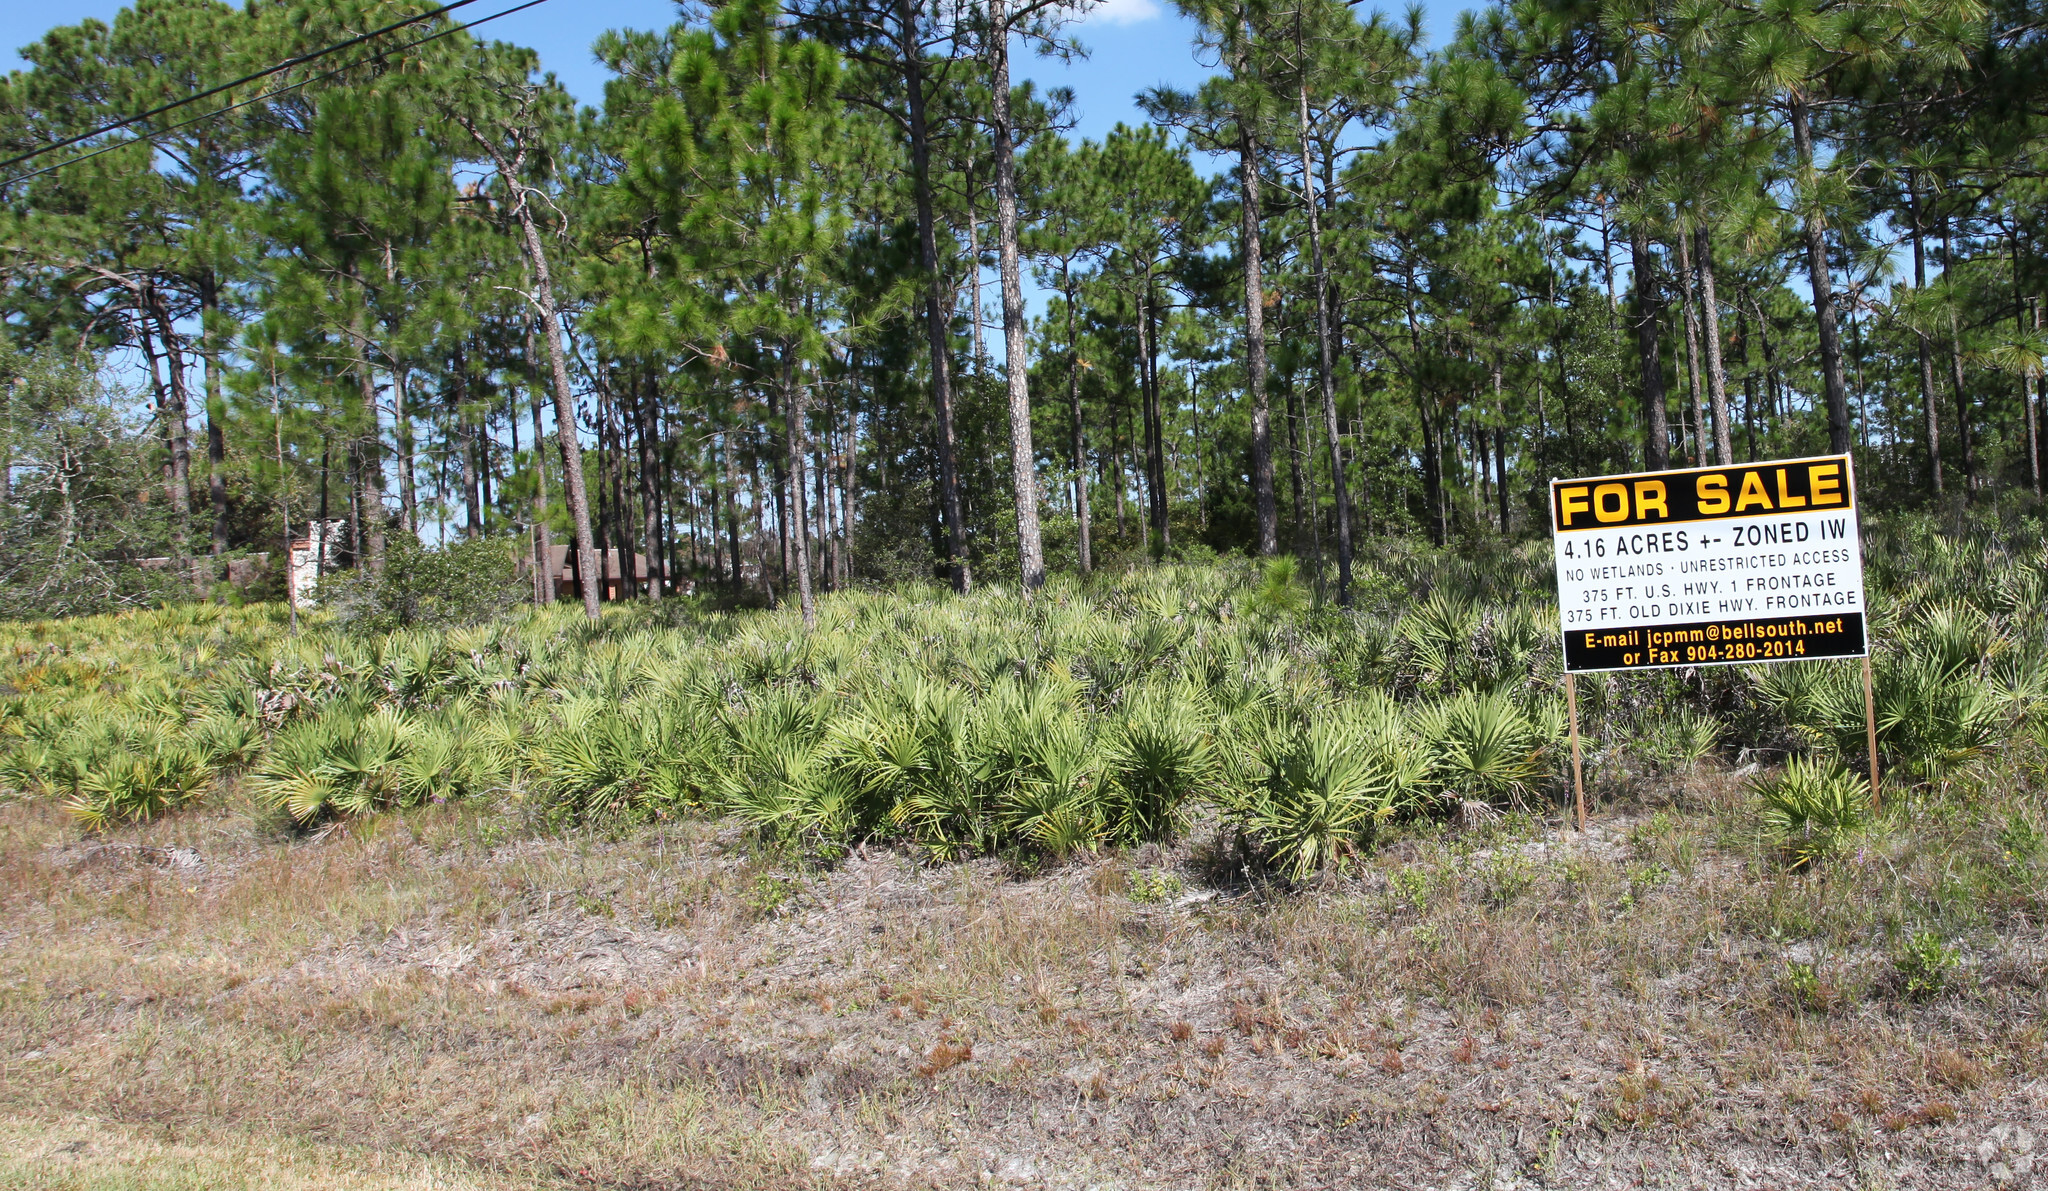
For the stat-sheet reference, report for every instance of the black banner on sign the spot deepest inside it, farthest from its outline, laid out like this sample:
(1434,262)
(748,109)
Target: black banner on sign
(1702,494)
(1715,643)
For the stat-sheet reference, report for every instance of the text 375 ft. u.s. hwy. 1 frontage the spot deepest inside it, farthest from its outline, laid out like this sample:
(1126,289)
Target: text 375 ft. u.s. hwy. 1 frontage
(1760,562)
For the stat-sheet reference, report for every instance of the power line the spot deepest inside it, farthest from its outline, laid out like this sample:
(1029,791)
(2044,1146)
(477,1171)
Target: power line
(285,65)
(149,138)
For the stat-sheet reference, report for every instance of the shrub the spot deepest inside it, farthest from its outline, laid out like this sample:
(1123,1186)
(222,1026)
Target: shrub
(1438,635)
(1487,747)
(1313,793)
(343,761)
(1159,756)
(595,761)
(1679,741)
(1924,964)
(1105,711)
(129,787)
(1933,720)
(1937,713)
(1811,806)
(1279,592)
(907,747)
(465,583)
(1152,886)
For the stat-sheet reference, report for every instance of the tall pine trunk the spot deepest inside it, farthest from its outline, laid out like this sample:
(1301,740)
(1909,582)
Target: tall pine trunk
(1255,345)
(401,433)
(565,413)
(1692,349)
(2027,402)
(1080,441)
(1155,438)
(1500,452)
(1814,230)
(1920,339)
(368,445)
(795,402)
(1648,313)
(401,423)
(543,534)
(849,494)
(936,330)
(1966,436)
(171,411)
(473,461)
(1717,375)
(732,511)
(216,410)
(612,436)
(1325,352)
(650,496)
(1023,459)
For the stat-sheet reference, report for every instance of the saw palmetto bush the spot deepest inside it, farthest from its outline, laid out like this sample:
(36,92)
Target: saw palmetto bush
(1311,793)
(1157,758)
(346,761)
(1111,711)
(1811,807)
(1037,766)
(774,769)
(1950,682)
(1489,748)
(136,785)
(1677,741)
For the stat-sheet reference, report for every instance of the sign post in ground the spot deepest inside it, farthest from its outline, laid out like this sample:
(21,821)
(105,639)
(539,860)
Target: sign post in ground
(1711,566)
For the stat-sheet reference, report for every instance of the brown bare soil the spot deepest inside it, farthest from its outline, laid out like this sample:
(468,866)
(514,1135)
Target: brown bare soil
(444,999)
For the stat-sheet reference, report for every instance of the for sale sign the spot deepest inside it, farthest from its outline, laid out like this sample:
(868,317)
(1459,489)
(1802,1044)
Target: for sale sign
(1718,565)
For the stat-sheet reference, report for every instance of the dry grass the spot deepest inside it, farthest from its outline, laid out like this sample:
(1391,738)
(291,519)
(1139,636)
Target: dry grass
(436,996)
(83,1154)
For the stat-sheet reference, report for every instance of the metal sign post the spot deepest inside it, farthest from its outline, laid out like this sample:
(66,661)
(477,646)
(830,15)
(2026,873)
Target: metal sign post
(1712,566)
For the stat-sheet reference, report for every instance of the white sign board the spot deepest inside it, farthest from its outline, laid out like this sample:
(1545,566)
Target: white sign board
(1760,562)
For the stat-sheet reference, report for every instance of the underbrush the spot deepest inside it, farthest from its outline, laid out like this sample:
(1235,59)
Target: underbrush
(1225,849)
(1101,713)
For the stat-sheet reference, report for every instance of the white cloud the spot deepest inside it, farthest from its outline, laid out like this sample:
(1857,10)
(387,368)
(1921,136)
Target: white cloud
(1123,12)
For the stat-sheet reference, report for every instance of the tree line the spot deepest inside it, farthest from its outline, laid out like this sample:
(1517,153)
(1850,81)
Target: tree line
(741,317)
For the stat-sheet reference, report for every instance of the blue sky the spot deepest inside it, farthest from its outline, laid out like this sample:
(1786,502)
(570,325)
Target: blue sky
(1134,44)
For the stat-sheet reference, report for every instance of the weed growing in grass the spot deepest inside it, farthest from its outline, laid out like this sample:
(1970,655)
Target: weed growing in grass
(1152,886)
(1507,875)
(1811,990)
(1925,965)
(2019,840)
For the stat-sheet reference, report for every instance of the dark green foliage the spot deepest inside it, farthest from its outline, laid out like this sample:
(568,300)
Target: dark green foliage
(83,505)
(1925,965)
(466,583)
(1812,807)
